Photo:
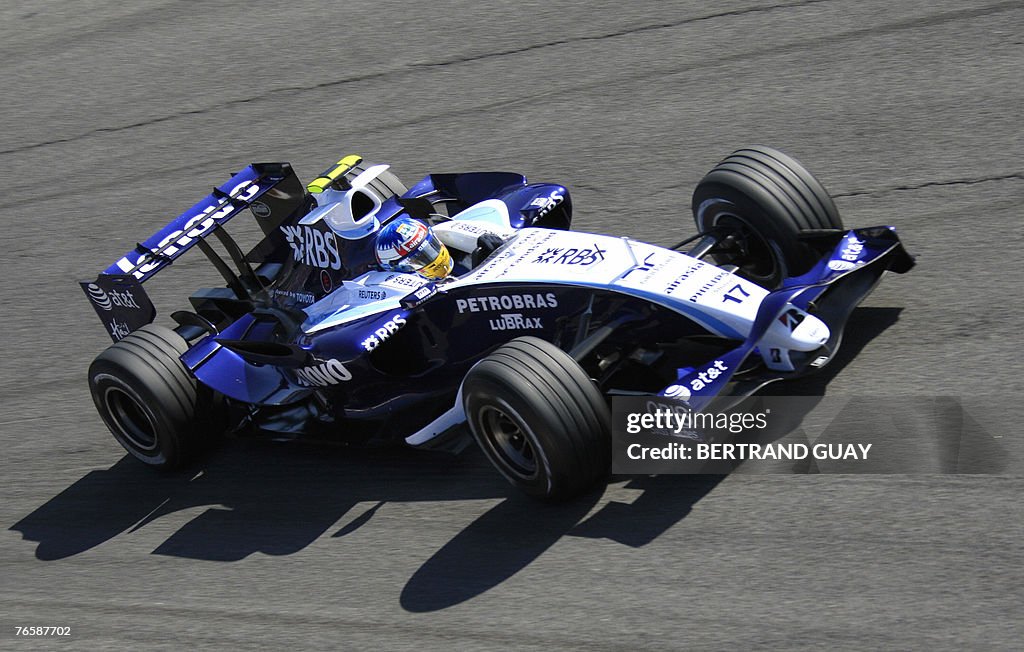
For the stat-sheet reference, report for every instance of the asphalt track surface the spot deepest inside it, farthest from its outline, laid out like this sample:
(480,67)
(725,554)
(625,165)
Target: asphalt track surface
(116,116)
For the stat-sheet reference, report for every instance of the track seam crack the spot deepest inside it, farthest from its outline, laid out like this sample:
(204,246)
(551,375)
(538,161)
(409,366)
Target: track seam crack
(931,184)
(414,66)
(788,48)
(624,32)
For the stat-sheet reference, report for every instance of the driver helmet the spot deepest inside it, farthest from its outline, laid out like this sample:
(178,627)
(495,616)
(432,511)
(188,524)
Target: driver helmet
(408,245)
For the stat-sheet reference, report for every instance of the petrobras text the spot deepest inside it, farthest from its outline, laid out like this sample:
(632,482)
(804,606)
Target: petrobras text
(507,302)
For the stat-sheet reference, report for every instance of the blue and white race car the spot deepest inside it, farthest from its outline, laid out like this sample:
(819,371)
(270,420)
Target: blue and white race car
(520,348)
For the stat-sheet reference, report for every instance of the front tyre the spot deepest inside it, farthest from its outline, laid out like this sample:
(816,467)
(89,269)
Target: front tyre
(772,208)
(150,402)
(539,418)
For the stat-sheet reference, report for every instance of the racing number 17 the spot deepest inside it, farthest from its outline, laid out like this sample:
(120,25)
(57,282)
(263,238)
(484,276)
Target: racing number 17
(728,295)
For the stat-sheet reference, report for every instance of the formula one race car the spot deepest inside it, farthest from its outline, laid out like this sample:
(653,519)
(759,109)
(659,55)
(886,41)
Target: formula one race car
(526,341)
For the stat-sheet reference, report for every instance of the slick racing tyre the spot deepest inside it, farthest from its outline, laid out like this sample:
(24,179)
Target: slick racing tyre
(774,209)
(539,418)
(149,400)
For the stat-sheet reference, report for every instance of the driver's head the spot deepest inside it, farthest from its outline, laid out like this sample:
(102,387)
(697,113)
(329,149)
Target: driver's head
(407,245)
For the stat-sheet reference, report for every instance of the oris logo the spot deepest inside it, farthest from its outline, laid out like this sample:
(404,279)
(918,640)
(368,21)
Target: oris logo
(107,301)
(259,209)
(331,372)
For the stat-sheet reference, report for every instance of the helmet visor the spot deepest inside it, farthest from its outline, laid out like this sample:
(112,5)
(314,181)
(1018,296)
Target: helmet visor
(430,259)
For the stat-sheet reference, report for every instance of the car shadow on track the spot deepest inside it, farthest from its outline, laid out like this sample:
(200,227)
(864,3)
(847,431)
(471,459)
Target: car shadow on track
(260,497)
(513,533)
(276,499)
(516,531)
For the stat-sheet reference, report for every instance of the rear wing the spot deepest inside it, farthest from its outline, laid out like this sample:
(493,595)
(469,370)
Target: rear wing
(272,193)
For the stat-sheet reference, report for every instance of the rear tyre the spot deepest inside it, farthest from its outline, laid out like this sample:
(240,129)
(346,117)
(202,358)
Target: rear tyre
(385,184)
(774,209)
(150,402)
(539,418)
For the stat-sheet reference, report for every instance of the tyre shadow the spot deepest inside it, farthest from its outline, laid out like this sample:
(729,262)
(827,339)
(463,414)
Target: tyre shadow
(516,531)
(260,497)
(276,499)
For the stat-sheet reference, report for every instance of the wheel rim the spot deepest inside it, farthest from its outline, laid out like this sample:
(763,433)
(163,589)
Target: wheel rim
(509,441)
(130,419)
(751,253)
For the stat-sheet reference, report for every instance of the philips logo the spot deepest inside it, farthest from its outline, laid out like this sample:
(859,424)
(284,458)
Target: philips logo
(259,209)
(707,286)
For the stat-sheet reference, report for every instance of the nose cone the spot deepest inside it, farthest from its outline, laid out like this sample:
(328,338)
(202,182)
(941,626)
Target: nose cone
(809,334)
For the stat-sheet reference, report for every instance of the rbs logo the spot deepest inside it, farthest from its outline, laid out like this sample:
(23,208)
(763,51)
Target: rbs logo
(313,247)
(383,333)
